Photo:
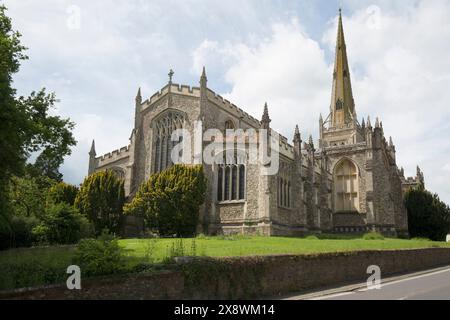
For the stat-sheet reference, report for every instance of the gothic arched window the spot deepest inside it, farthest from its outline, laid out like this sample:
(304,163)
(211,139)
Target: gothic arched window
(229,125)
(284,188)
(164,126)
(119,173)
(231,181)
(346,186)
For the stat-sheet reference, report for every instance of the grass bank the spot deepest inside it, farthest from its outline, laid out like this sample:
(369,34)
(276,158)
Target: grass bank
(44,265)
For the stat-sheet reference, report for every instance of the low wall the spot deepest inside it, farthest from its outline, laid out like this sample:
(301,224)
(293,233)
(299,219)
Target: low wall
(245,277)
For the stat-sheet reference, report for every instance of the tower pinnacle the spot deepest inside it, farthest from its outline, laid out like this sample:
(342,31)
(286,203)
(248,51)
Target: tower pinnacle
(297,136)
(139,96)
(92,152)
(342,103)
(265,121)
(203,78)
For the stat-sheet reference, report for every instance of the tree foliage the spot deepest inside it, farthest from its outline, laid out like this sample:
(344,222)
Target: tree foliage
(169,201)
(101,256)
(27,126)
(428,216)
(28,195)
(101,198)
(62,192)
(62,224)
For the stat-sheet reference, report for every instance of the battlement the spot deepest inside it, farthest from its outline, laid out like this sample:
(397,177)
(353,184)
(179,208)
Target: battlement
(174,88)
(115,155)
(227,105)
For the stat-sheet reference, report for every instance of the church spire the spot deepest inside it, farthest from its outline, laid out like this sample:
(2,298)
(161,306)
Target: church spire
(139,96)
(342,103)
(265,121)
(203,78)
(92,152)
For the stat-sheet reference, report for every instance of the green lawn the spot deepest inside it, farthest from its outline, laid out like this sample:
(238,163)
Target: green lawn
(245,246)
(36,266)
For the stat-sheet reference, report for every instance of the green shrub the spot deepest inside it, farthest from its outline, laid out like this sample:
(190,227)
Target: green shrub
(101,256)
(169,201)
(22,235)
(312,237)
(428,216)
(62,193)
(101,198)
(62,224)
(373,236)
(30,273)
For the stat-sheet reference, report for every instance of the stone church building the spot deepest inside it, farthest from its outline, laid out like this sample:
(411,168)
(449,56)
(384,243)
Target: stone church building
(347,182)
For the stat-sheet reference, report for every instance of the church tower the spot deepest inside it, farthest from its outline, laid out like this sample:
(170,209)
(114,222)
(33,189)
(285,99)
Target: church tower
(366,191)
(342,104)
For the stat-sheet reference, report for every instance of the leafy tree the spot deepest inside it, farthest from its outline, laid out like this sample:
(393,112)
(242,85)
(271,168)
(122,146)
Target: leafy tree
(63,193)
(169,201)
(428,216)
(26,124)
(101,198)
(62,224)
(26,207)
(49,135)
(28,195)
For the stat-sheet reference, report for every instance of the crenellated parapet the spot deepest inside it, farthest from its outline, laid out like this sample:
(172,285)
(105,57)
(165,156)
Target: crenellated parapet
(112,157)
(412,182)
(232,108)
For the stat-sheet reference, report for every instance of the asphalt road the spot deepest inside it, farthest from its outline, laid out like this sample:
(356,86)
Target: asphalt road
(434,285)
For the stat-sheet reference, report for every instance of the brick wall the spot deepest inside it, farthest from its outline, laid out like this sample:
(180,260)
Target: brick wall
(246,277)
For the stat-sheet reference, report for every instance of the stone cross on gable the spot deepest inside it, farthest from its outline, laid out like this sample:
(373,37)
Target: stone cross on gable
(170,75)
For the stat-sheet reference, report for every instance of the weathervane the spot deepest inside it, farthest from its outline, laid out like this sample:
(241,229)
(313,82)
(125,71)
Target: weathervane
(170,75)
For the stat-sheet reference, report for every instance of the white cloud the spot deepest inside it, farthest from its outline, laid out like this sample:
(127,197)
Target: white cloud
(400,72)
(287,70)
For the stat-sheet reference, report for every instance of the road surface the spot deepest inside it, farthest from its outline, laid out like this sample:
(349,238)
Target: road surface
(431,285)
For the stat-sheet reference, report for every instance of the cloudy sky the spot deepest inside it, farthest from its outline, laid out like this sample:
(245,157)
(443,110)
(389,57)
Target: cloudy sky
(95,55)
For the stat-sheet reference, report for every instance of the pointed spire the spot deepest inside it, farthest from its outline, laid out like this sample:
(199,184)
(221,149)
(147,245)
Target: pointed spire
(310,140)
(391,143)
(204,72)
(321,118)
(203,78)
(363,123)
(92,152)
(265,118)
(139,96)
(402,172)
(342,103)
(369,124)
(377,123)
(297,136)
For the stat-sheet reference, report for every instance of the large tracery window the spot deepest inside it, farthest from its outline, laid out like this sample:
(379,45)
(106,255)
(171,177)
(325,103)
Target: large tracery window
(346,186)
(163,129)
(231,181)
